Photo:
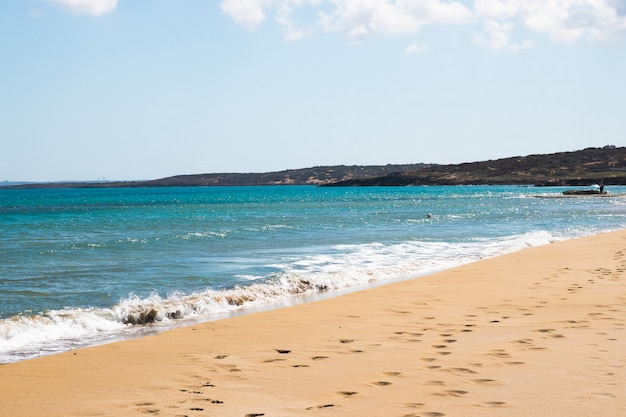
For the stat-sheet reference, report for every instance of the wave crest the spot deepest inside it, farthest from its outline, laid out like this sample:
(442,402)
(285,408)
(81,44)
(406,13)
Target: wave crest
(346,267)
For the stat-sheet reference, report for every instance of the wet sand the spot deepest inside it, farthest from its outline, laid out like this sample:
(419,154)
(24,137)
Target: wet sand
(535,333)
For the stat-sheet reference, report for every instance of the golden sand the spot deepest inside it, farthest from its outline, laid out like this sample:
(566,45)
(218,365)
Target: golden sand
(540,332)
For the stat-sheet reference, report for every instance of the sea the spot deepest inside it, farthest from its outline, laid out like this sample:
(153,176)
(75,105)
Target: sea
(81,267)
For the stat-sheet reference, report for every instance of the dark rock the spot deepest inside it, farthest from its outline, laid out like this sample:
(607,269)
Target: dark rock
(143,317)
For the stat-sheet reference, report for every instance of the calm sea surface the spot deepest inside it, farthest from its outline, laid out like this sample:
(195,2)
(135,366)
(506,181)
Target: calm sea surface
(84,266)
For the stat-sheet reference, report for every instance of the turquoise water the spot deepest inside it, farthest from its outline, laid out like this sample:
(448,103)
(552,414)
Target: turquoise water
(83,266)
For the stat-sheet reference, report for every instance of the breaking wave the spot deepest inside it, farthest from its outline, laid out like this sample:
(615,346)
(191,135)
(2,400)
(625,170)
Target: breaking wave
(343,268)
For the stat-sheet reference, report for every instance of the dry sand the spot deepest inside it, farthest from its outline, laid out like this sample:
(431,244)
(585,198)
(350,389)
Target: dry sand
(541,332)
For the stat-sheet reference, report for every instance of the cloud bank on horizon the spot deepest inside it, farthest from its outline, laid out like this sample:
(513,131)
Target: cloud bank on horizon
(499,21)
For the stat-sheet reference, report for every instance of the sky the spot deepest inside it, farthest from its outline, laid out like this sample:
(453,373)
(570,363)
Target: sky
(146,89)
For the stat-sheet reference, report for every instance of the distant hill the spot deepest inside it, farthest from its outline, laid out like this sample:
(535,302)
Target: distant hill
(306,176)
(584,167)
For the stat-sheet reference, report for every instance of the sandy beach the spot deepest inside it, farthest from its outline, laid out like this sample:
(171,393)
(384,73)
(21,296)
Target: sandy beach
(540,332)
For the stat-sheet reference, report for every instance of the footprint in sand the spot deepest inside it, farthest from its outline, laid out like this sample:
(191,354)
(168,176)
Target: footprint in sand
(493,404)
(230,367)
(451,393)
(408,336)
(320,406)
(462,370)
(487,381)
(414,405)
(150,410)
(436,383)
(273,360)
(499,353)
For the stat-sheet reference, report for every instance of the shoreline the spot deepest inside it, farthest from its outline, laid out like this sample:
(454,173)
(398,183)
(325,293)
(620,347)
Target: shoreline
(531,333)
(42,332)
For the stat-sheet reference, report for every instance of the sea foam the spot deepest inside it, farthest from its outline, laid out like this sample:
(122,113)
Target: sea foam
(344,268)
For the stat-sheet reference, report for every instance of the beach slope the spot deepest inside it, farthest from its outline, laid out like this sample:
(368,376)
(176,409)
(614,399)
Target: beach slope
(534,333)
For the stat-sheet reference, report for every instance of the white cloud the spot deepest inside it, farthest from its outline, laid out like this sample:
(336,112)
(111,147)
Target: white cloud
(251,13)
(248,13)
(565,21)
(284,18)
(359,18)
(575,20)
(496,9)
(353,18)
(499,37)
(92,7)
(414,48)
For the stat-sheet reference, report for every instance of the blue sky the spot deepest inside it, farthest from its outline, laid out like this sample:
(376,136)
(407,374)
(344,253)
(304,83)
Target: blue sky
(144,89)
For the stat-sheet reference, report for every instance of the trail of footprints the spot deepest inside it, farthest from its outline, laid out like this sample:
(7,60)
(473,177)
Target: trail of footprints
(198,400)
(463,376)
(437,339)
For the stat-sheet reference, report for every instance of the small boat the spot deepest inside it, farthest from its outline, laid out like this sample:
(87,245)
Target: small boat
(583,192)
